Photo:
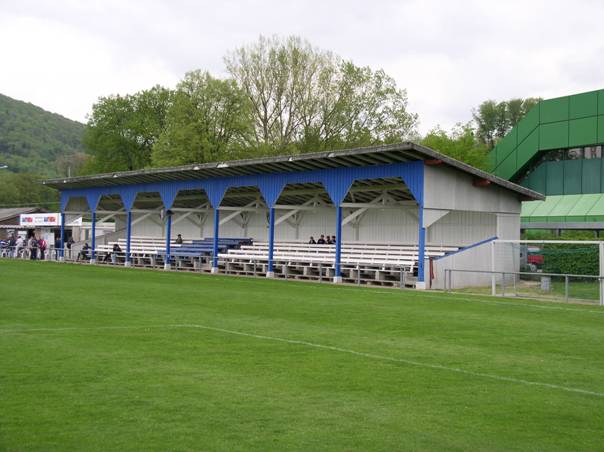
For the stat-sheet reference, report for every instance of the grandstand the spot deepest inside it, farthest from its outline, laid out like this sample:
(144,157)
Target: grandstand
(400,213)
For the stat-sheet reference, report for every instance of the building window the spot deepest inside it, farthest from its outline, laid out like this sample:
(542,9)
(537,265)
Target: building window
(593,152)
(574,154)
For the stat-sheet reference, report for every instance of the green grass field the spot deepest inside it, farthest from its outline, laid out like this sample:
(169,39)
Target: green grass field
(95,358)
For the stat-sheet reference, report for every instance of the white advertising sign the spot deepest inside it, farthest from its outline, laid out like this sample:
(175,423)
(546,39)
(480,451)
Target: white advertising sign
(34,220)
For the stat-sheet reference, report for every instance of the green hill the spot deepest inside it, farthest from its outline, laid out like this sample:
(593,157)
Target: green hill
(36,141)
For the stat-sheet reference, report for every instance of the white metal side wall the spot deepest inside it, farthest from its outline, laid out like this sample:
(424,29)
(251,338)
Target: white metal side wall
(377,225)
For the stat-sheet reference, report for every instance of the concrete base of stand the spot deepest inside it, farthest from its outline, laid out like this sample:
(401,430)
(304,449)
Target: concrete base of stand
(93,261)
(270,274)
(420,285)
(214,270)
(167,266)
(337,279)
(128,264)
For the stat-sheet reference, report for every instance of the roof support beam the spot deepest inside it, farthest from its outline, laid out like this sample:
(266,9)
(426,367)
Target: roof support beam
(229,217)
(187,215)
(293,212)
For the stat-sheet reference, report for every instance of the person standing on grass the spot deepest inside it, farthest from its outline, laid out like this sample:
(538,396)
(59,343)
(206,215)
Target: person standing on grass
(32,246)
(42,246)
(69,242)
(18,246)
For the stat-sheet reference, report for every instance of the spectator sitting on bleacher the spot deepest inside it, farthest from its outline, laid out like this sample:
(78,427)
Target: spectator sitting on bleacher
(333,239)
(321,240)
(83,252)
(178,240)
(328,240)
(312,241)
(113,254)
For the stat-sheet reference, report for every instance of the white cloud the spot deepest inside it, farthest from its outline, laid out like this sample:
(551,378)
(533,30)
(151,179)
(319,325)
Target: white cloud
(450,55)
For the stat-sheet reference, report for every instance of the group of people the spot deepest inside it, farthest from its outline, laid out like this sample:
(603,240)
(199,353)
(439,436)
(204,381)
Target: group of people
(322,240)
(35,248)
(84,253)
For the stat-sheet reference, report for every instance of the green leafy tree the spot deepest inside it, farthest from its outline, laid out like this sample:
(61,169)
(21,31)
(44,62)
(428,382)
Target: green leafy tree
(461,144)
(306,99)
(209,120)
(122,130)
(495,119)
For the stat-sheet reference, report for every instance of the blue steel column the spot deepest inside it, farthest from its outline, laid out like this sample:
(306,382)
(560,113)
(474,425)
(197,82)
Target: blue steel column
(421,248)
(93,240)
(338,271)
(215,249)
(168,239)
(128,237)
(271,241)
(62,241)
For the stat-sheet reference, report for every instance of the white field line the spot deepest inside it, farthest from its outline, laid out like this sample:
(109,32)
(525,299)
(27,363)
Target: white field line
(322,347)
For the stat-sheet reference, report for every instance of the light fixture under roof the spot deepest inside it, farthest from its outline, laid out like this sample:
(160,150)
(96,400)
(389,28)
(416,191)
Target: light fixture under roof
(291,159)
(115,175)
(331,154)
(222,165)
(196,168)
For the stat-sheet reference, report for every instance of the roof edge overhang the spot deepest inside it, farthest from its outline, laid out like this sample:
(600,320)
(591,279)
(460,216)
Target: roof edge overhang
(400,152)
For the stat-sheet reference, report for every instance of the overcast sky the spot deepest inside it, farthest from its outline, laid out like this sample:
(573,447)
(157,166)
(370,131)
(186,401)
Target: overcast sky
(449,55)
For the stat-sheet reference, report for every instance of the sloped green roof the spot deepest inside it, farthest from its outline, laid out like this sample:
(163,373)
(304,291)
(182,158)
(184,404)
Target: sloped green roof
(559,123)
(565,208)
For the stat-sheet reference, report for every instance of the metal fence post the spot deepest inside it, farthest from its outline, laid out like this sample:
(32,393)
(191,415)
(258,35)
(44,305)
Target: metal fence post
(503,284)
(566,287)
(493,282)
(402,278)
(601,246)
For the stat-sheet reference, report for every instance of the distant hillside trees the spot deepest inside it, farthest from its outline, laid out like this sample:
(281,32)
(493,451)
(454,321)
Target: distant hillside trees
(36,141)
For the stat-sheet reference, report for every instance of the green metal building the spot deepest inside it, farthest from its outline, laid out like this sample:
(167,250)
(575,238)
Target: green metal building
(556,149)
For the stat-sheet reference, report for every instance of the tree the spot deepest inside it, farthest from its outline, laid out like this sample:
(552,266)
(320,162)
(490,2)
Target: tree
(461,144)
(22,189)
(306,99)
(122,130)
(495,119)
(209,120)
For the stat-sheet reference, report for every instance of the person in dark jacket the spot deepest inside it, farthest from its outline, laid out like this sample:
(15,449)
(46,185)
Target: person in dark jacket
(321,240)
(83,254)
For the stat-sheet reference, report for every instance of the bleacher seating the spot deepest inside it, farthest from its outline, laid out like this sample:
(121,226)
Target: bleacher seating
(151,251)
(363,263)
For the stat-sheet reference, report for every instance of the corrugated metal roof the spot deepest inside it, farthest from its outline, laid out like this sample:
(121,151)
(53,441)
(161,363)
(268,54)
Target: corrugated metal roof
(564,208)
(5,214)
(376,155)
